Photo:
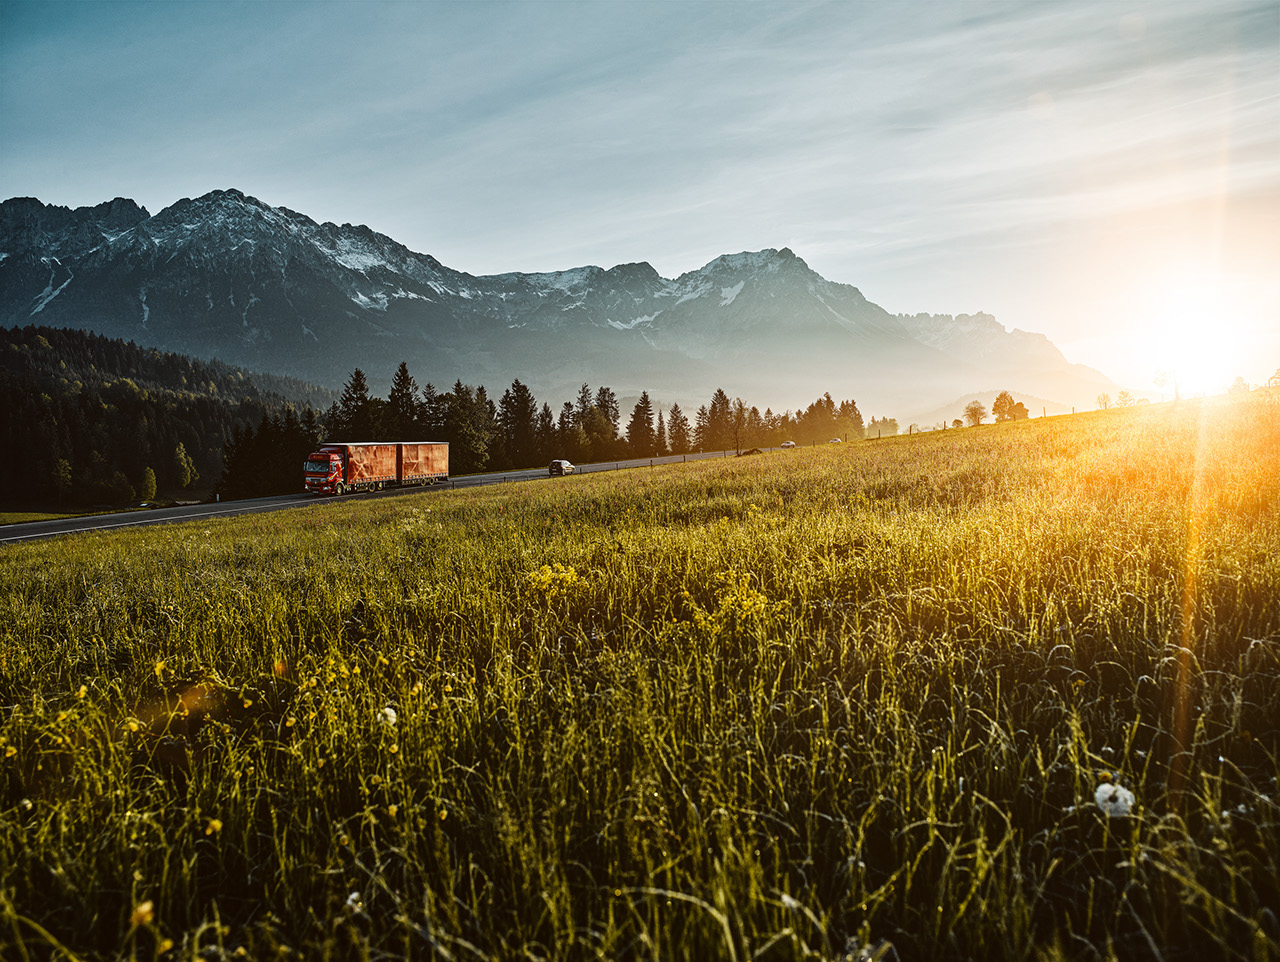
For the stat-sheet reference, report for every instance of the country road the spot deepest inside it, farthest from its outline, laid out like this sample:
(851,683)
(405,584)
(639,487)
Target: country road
(31,530)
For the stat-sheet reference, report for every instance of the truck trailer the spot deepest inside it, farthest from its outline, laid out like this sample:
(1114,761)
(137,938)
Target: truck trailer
(337,467)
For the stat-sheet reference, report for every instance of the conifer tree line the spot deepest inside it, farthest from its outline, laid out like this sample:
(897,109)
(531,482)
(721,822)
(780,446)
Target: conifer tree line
(515,431)
(87,420)
(91,420)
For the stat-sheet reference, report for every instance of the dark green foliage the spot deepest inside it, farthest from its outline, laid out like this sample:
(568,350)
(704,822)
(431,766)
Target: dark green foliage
(679,438)
(640,431)
(76,410)
(269,460)
(518,424)
(355,421)
(87,417)
(404,408)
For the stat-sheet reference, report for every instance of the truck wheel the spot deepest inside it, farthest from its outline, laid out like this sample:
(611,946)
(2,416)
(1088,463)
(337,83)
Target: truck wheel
(339,489)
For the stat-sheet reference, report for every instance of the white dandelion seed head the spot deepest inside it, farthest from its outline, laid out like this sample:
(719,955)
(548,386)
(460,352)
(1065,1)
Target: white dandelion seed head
(388,716)
(1114,800)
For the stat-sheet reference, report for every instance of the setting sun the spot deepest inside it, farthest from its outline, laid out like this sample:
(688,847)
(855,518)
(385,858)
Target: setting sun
(1198,335)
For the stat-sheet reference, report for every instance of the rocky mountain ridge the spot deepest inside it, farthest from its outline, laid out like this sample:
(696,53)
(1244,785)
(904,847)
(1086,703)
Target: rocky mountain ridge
(225,275)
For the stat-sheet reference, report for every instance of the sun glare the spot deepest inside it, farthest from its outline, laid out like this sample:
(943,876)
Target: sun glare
(1194,338)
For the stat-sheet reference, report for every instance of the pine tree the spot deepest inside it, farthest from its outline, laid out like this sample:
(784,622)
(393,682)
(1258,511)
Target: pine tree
(402,406)
(718,429)
(678,438)
(607,404)
(545,434)
(355,421)
(469,428)
(640,434)
(517,417)
(431,414)
(583,407)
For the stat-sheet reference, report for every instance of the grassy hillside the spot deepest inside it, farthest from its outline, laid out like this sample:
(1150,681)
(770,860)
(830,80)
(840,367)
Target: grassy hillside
(833,703)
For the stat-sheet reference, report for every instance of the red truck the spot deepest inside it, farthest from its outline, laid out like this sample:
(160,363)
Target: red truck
(341,466)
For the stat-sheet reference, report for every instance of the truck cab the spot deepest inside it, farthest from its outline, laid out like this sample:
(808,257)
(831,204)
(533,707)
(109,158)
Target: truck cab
(324,471)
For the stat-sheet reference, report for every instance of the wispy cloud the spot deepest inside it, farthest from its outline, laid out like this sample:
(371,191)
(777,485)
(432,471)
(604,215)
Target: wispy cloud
(923,151)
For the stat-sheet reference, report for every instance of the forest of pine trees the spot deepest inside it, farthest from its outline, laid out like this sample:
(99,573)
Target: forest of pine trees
(95,420)
(90,420)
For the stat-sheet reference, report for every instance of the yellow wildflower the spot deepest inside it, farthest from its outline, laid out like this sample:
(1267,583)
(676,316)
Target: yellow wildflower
(143,914)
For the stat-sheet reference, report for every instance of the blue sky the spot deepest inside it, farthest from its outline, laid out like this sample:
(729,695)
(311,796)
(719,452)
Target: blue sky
(1105,173)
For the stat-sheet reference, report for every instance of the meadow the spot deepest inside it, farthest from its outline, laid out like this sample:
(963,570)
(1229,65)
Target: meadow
(845,703)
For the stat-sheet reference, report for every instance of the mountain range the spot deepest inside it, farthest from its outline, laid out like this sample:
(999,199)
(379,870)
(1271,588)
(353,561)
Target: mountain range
(227,276)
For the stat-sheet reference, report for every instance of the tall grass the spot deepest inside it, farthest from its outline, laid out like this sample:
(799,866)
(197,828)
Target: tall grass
(839,703)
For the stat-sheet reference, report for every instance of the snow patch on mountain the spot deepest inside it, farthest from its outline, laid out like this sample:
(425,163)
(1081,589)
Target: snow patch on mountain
(703,288)
(632,324)
(49,293)
(355,258)
(225,256)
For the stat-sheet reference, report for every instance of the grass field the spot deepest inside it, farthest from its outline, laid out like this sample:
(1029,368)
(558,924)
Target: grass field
(849,702)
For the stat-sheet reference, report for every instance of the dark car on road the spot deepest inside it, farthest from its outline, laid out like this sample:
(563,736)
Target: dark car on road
(559,468)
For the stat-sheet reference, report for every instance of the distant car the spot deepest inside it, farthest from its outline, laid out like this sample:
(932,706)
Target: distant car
(834,441)
(788,444)
(559,468)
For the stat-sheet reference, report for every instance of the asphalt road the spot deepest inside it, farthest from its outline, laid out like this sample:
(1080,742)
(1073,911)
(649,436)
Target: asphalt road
(31,530)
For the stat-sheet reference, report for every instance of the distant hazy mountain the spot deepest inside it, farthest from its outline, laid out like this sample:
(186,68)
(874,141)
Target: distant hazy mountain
(227,276)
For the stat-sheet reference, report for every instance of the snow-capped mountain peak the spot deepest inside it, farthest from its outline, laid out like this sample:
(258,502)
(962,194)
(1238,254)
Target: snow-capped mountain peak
(225,274)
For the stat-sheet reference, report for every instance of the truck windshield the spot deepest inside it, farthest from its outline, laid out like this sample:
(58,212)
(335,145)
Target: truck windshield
(318,467)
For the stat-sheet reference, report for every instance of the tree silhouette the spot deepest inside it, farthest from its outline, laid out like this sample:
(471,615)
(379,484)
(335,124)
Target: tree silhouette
(518,419)
(355,422)
(974,412)
(678,435)
(403,407)
(640,433)
(469,428)
(607,404)
(1002,407)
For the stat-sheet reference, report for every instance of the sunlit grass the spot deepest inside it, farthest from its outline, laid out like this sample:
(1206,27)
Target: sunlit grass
(798,705)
